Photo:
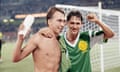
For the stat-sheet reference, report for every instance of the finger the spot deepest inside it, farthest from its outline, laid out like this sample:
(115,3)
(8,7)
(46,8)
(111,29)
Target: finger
(49,36)
(21,36)
(46,34)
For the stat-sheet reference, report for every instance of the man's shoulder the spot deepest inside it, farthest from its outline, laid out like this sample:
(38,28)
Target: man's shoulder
(84,33)
(46,32)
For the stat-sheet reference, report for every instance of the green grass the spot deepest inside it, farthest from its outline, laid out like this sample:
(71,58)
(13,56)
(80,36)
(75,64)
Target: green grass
(26,65)
(117,69)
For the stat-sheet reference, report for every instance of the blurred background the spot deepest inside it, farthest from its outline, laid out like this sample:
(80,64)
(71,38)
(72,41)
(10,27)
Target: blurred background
(10,8)
(13,12)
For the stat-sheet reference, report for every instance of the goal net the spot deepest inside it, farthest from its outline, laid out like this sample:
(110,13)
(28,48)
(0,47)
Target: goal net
(111,50)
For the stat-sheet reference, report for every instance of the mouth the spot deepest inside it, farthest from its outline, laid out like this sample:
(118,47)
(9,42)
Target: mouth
(74,30)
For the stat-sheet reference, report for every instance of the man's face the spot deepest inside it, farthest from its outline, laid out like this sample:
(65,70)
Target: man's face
(74,25)
(57,22)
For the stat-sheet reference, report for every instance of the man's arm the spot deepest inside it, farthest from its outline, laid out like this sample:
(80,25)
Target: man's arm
(108,33)
(19,52)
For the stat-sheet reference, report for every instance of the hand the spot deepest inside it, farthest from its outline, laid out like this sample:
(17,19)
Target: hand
(46,33)
(21,31)
(92,17)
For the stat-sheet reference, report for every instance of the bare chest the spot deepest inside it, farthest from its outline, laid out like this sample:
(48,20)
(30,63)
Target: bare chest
(50,47)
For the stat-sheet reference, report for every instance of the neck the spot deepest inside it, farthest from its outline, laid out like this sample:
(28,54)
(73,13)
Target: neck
(55,34)
(71,37)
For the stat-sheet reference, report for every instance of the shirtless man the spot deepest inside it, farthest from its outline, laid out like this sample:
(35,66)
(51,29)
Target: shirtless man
(45,51)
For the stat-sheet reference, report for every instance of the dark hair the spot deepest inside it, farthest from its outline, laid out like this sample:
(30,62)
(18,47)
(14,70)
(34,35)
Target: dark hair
(51,12)
(74,13)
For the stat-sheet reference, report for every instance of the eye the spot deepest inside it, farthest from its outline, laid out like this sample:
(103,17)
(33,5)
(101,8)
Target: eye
(72,22)
(60,20)
(77,23)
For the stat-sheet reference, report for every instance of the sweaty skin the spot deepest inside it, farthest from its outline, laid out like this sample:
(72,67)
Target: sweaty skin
(46,56)
(45,51)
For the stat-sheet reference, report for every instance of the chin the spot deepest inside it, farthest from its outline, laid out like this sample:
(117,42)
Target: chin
(74,33)
(58,32)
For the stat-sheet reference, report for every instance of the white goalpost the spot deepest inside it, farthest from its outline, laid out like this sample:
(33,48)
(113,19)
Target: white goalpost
(106,56)
(101,46)
(119,33)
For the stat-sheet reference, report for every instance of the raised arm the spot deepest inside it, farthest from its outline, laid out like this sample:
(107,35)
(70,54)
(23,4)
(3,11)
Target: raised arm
(108,33)
(19,52)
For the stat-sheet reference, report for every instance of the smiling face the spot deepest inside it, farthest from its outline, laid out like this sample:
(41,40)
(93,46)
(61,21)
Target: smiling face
(57,22)
(74,25)
(74,22)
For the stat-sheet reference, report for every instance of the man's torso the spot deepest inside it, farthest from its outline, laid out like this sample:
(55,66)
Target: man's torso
(47,55)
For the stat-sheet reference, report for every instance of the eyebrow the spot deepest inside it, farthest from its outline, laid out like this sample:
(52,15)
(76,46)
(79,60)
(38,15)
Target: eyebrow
(75,22)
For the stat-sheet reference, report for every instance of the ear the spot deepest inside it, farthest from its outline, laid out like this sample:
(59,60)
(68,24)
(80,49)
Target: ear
(49,21)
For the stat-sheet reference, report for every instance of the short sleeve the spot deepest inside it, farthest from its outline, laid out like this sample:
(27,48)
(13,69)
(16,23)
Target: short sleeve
(96,37)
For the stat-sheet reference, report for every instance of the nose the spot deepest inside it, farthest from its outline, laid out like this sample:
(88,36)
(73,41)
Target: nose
(63,23)
(75,26)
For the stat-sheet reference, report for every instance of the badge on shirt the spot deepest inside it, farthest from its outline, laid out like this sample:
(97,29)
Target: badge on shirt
(82,45)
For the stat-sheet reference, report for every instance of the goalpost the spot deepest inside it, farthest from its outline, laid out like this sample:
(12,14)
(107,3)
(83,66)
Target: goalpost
(108,56)
(101,46)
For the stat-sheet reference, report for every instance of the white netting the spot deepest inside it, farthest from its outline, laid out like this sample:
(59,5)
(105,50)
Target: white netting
(111,49)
